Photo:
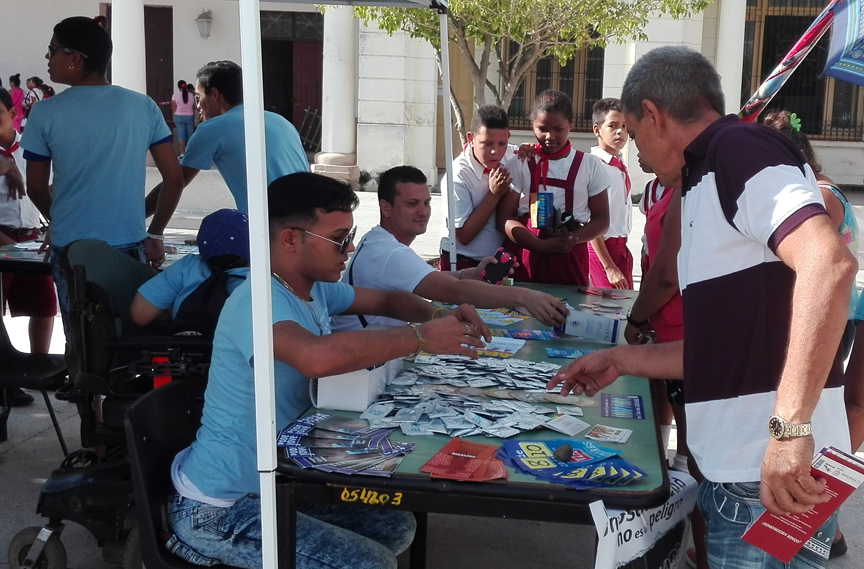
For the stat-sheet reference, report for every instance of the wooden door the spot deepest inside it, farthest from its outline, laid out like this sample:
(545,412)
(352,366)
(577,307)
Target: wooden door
(159,53)
(308,76)
(159,49)
(277,66)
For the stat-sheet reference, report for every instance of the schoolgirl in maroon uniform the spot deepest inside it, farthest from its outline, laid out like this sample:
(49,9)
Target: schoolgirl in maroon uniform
(577,183)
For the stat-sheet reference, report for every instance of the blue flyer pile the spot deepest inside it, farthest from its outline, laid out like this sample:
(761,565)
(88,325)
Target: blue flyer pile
(336,444)
(588,465)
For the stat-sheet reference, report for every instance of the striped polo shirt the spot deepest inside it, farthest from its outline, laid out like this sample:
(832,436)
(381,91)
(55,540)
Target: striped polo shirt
(744,187)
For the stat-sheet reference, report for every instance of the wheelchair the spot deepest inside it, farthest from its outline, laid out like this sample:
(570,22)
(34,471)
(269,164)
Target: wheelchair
(112,362)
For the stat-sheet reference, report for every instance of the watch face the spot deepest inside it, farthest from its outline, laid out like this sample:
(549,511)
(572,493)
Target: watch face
(776,427)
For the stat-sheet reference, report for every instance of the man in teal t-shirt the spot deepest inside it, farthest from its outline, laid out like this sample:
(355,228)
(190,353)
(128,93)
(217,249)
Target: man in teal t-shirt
(220,139)
(215,511)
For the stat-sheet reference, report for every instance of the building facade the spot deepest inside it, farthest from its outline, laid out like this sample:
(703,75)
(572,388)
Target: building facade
(365,101)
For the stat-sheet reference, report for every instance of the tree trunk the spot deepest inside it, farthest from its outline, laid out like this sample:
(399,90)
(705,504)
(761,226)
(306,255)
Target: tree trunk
(527,62)
(459,119)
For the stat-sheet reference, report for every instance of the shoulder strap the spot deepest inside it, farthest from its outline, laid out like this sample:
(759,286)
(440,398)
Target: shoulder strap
(534,184)
(836,191)
(571,181)
(363,321)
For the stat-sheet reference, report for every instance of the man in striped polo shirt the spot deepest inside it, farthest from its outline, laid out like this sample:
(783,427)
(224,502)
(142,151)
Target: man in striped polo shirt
(765,281)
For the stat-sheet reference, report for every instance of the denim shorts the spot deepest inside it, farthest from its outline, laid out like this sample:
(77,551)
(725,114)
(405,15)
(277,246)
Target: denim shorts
(327,537)
(185,126)
(729,509)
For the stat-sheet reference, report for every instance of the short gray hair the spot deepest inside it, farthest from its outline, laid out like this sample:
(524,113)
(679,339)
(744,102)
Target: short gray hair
(679,80)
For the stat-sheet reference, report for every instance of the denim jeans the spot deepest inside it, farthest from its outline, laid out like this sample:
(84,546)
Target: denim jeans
(185,126)
(729,509)
(134,250)
(327,537)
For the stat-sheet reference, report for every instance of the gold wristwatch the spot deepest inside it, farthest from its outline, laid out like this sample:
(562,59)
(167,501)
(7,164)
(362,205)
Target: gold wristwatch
(779,428)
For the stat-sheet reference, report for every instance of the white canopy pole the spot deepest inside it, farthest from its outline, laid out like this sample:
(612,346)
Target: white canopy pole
(448,191)
(259,249)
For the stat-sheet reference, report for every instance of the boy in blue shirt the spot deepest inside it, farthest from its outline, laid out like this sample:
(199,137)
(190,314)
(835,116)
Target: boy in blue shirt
(219,139)
(223,243)
(215,511)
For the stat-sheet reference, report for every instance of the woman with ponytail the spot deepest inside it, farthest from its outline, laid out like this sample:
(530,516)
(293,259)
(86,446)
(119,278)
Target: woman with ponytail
(183,107)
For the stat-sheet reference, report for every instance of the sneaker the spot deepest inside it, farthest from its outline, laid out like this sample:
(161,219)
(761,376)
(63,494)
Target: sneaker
(21,398)
(838,547)
(690,557)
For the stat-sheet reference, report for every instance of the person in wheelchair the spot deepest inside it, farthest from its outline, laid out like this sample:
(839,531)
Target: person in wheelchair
(215,510)
(194,288)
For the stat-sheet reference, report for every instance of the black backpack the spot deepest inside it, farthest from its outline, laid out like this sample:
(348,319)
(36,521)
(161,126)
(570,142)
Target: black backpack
(199,312)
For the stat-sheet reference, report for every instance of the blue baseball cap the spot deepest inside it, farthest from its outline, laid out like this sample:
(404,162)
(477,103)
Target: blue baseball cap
(224,232)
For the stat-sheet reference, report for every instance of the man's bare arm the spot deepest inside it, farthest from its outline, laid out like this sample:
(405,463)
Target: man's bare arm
(592,372)
(824,272)
(38,175)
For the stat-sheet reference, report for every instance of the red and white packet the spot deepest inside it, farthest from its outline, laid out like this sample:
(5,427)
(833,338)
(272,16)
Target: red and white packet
(783,537)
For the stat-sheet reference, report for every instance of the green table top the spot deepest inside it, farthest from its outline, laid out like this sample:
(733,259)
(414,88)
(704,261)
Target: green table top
(17,260)
(641,449)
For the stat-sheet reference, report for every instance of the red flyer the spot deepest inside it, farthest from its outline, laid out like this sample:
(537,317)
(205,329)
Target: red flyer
(783,536)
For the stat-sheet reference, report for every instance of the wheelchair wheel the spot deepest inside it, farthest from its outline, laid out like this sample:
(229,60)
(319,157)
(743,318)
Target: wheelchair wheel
(53,556)
(132,550)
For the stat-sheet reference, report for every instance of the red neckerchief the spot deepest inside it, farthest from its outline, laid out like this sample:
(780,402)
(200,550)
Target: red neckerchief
(8,153)
(543,159)
(615,161)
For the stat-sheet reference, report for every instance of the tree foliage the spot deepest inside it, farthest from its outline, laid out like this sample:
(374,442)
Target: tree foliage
(513,35)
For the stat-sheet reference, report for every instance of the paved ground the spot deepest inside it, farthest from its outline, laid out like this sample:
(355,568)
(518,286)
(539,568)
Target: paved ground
(32,451)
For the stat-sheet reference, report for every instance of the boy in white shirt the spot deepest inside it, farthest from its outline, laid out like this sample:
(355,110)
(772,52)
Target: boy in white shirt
(610,263)
(480,178)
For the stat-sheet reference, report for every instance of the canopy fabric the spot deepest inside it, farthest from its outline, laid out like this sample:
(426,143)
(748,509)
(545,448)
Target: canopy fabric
(434,4)
(846,52)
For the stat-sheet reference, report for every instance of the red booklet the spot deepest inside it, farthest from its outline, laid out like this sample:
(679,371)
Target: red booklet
(783,536)
(463,460)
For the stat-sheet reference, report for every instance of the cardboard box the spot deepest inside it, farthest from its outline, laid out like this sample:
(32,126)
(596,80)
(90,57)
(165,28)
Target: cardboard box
(353,391)
(591,327)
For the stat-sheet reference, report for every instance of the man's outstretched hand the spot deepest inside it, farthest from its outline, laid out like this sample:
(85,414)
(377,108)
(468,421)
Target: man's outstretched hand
(587,374)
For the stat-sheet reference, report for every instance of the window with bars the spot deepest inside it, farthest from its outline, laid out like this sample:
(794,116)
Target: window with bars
(830,109)
(581,78)
(302,26)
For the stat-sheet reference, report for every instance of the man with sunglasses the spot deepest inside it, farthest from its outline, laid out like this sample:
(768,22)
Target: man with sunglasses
(215,510)
(384,260)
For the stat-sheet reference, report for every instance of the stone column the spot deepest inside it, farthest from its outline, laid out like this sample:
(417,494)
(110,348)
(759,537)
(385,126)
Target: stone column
(128,64)
(338,156)
(398,94)
(730,50)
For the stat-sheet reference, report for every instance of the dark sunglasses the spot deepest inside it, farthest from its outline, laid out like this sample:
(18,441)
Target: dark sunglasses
(343,245)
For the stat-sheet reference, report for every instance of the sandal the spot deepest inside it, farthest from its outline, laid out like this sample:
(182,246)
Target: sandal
(838,547)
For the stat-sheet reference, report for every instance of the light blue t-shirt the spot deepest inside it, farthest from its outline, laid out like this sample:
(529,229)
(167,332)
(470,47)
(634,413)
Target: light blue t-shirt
(220,141)
(97,138)
(222,461)
(170,288)
(859,309)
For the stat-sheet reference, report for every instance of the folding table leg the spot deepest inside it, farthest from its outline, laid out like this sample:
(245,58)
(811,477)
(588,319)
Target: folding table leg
(5,407)
(418,546)
(54,421)
(286,525)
